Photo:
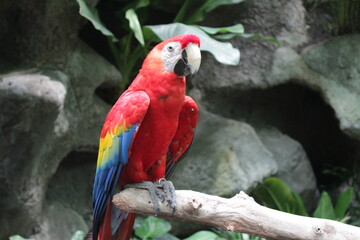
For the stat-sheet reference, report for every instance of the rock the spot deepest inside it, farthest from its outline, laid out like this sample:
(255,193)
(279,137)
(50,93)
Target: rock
(338,62)
(49,113)
(226,157)
(280,19)
(293,164)
(339,87)
(42,121)
(257,119)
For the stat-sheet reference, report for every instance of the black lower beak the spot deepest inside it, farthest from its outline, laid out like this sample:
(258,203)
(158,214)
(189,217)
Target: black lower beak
(181,68)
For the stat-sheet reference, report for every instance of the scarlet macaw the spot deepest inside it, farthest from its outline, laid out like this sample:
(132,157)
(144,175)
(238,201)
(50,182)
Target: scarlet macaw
(146,132)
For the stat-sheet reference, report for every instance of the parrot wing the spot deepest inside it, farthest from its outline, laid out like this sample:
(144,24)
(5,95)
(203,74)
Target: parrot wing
(184,135)
(117,135)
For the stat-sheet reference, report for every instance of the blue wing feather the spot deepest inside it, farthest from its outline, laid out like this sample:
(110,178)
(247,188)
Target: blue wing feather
(108,172)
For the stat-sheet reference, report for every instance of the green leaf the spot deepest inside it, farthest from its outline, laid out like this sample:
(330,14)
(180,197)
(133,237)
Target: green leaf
(226,36)
(136,4)
(18,237)
(202,235)
(166,236)
(237,28)
(259,36)
(78,235)
(152,227)
(325,208)
(135,25)
(299,205)
(138,222)
(223,52)
(275,193)
(201,12)
(92,15)
(343,203)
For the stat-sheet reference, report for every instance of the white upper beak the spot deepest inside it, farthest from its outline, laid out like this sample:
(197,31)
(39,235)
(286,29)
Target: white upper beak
(193,57)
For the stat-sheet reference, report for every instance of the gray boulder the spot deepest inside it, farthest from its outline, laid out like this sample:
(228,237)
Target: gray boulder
(50,115)
(293,164)
(227,156)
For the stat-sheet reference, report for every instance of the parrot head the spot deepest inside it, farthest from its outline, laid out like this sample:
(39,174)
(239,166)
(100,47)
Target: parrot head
(179,55)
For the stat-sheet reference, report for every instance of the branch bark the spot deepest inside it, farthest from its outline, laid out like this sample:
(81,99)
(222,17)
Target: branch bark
(239,214)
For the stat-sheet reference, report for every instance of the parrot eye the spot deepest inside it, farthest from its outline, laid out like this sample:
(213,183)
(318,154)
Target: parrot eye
(171,54)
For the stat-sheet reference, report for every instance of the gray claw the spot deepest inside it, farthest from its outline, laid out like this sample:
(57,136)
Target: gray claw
(169,192)
(156,194)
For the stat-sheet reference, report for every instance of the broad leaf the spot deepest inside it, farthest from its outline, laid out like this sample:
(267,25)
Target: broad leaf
(275,193)
(92,15)
(152,227)
(78,235)
(343,203)
(299,205)
(259,36)
(166,236)
(202,235)
(223,52)
(136,4)
(17,237)
(135,25)
(325,208)
(201,12)
(238,28)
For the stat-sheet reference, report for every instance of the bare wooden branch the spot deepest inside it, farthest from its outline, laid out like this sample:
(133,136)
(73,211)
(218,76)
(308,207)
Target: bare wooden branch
(239,214)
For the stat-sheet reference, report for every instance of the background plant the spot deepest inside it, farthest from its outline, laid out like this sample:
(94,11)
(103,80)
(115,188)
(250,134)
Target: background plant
(346,14)
(136,38)
(276,194)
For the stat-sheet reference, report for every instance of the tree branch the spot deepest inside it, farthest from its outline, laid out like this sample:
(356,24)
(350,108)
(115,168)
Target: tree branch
(239,214)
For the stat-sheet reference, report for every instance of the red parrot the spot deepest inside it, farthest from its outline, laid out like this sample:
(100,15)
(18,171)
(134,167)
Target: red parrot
(146,132)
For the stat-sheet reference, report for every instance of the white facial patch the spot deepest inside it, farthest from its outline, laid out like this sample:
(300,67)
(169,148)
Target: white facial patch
(171,53)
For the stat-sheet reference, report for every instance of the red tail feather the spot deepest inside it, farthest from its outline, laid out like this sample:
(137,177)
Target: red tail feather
(124,231)
(126,227)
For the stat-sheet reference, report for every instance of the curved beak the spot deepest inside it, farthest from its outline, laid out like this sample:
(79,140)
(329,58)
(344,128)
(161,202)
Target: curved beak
(193,57)
(190,61)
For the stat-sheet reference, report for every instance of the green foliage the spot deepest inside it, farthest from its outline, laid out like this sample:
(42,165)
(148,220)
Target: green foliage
(92,15)
(347,16)
(201,11)
(203,235)
(127,53)
(134,24)
(276,194)
(223,52)
(226,235)
(78,235)
(17,237)
(325,208)
(152,228)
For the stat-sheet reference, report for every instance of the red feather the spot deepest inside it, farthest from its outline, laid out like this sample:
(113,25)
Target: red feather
(151,120)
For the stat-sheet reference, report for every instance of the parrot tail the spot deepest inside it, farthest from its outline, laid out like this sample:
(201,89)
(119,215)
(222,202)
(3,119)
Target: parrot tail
(126,227)
(117,224)
(89,235)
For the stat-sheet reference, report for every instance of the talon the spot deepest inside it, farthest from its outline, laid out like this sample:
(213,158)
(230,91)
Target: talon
(167,194)
(154,193)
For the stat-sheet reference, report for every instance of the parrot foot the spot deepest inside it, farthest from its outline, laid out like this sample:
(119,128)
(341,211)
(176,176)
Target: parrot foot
(169,192)
(156,194)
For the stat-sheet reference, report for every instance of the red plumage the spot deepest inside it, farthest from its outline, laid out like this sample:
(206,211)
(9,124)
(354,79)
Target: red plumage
(148,129)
